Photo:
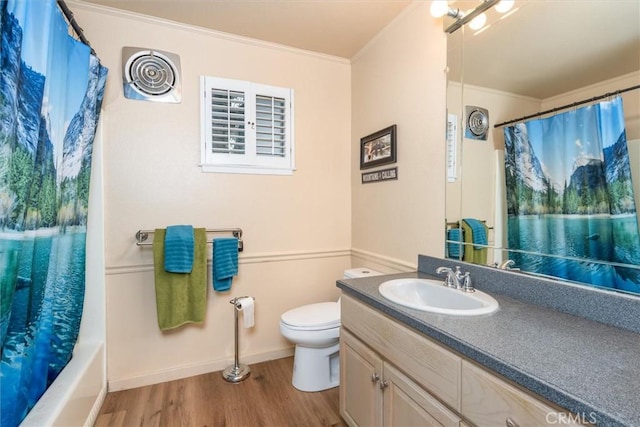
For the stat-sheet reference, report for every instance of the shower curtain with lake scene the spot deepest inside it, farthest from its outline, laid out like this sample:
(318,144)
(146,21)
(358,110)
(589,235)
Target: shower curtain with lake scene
(570,198)
(51,89)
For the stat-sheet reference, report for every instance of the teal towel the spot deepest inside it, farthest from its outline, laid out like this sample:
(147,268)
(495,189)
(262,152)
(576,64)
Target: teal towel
(454,236)
(178,249)
(479,231)
(225,262)
(180,298)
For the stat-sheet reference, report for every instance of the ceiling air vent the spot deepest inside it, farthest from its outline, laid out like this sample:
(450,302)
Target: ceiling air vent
(151,75)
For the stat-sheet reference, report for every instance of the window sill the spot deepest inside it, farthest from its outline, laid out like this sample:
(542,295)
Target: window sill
(249,170)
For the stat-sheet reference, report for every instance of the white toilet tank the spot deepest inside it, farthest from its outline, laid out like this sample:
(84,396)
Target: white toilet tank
(354,273)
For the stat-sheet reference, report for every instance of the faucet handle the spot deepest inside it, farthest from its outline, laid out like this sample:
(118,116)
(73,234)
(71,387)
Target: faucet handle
(467,285)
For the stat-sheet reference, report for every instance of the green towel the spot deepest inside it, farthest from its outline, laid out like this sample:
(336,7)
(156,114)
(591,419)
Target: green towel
(181,298)
(475,256)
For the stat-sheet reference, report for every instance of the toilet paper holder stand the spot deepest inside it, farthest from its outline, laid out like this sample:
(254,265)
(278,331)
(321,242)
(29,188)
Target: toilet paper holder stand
(236,372)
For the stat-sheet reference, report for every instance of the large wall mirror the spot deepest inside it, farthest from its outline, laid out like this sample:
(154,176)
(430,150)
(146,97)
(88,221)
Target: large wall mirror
(541,56)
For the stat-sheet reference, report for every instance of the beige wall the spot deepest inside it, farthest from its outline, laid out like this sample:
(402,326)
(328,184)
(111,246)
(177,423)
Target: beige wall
(300,232)
(297,229)
(399,79)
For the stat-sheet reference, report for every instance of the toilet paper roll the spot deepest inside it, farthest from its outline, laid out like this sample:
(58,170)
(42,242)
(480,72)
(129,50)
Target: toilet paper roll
(246,305)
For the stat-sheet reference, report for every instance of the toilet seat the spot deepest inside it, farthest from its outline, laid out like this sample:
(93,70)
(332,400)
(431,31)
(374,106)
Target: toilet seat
(313,317)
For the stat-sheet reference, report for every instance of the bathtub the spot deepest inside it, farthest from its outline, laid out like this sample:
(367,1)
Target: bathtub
(75,397)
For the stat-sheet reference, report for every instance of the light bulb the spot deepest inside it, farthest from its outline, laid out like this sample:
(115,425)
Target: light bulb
(504,6)
(478,22)
(439,8)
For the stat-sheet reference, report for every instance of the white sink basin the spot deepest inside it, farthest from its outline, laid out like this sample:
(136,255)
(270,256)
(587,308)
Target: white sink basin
(433,296)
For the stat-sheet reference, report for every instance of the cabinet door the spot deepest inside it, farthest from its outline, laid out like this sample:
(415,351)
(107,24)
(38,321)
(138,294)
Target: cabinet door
(360,374)
(421,359)
(406,404)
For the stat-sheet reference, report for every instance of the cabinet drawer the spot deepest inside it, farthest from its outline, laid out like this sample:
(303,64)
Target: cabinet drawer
(429,365)
(490,401)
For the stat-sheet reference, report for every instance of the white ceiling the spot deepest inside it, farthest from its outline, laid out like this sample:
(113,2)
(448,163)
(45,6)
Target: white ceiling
(335,27)
(543,49)
(546,48)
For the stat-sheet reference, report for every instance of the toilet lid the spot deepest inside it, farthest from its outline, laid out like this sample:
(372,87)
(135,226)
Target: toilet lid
(323,315)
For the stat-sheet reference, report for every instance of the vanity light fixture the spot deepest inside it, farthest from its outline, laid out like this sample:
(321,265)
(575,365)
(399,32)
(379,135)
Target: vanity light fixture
(478,22)
(476,17)
(439,8)
(504,6)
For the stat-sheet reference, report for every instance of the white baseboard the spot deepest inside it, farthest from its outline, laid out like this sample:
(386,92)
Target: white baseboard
(193,370)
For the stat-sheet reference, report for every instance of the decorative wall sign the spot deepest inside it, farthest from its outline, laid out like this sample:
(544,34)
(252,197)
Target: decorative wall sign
(380,175)
(378,148)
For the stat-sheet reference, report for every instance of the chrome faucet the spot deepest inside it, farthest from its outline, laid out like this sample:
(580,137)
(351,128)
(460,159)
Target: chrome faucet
(456,279)
(453,279)
(507,265)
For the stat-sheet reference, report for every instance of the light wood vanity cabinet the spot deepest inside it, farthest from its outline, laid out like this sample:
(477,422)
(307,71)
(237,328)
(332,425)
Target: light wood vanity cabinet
(490,401)
(375,393)
(393,376)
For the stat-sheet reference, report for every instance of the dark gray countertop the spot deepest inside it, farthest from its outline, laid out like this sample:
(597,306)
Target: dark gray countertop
(590,368)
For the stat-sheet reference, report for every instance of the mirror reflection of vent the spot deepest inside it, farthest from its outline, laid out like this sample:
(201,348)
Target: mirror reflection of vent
(151,75)
(477,123)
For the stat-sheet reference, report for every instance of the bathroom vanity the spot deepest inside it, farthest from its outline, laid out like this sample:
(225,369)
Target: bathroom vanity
(524,365)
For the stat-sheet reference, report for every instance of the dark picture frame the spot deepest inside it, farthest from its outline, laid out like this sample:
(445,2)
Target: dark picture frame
(378,148)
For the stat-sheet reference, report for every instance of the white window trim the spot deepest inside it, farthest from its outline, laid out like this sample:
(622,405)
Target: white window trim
(250,162)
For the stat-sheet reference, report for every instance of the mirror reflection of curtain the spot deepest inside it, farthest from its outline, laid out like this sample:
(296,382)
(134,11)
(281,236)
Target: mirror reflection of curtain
(569,193)
(51,89)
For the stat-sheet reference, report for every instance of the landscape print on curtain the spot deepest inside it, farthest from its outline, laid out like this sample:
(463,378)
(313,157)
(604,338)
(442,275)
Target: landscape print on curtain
(51,88)
(569,194)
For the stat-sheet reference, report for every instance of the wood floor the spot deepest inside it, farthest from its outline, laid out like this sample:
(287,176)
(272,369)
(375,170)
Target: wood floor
(266,398)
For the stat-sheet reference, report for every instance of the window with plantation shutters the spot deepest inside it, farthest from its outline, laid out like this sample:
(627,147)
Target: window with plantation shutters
(246,127)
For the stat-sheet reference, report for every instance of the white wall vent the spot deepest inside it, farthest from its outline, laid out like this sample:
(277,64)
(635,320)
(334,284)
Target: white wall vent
(151,75)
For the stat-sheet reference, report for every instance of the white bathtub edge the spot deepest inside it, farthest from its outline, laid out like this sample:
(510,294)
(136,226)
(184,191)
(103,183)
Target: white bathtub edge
(61,393)
(95,410)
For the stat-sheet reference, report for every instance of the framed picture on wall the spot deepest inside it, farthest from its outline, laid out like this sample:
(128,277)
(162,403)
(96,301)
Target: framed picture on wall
(378,148)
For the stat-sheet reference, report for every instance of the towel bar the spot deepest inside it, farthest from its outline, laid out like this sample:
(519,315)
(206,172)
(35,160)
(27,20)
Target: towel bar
(456,224)
(142,236)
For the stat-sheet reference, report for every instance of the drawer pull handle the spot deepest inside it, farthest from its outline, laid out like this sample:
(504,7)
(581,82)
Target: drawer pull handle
(384,384)
(374,377)
(509,422)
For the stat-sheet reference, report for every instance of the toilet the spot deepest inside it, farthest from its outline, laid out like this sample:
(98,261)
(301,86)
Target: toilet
(315,330)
